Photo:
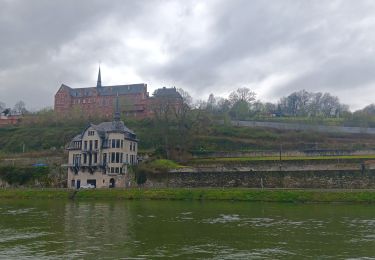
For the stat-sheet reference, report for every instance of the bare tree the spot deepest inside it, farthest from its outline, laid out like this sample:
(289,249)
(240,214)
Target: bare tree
(2,106)
(303,103)
(242,94)
(223,105)
(187,99)
(211,102)
(172,123)
(200,104)
(20,107)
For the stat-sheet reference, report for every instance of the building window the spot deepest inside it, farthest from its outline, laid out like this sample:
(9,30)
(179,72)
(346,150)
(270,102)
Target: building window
(118,143)
(96,144)
(113,157)
(113,143)
(90,145)
(117,170)
(121,170)
(121,157)
(131,148)
(104,157)
(117,157)
(127,158)
(76,159)
(95,157)
(85,158)
(122,143)
(77,145)
(85,145)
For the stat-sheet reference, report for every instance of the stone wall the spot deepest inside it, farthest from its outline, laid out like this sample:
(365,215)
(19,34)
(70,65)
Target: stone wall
(331,179)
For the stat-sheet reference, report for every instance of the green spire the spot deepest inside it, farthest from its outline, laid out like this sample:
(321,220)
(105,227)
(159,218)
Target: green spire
(99,82)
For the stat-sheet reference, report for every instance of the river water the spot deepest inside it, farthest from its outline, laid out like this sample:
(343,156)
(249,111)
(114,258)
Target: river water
(185,230)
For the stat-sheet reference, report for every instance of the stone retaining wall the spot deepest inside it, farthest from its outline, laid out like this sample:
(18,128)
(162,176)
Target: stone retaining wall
(331,179)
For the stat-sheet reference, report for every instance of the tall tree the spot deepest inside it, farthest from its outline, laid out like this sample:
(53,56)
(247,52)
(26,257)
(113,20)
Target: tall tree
(241,101)
(223,105)
(303,103)
(172,123)
(240,110)
(211,102)
(242,94)
(187,99)
(20,107)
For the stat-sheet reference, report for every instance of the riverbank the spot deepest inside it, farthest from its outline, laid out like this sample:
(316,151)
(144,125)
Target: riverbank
(266,195)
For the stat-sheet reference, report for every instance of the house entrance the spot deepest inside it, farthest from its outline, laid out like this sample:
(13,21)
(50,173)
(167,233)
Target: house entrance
(112,183)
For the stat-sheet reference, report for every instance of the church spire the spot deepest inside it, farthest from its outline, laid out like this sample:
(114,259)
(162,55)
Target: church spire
(117,112)
(99,82)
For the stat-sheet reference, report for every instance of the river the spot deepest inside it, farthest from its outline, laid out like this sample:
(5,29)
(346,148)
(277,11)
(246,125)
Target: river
(50,229)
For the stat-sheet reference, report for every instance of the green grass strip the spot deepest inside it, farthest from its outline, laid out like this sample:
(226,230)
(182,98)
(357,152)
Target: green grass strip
(229,194)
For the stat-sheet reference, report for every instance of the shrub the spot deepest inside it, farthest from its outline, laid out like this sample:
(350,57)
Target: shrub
(24,175)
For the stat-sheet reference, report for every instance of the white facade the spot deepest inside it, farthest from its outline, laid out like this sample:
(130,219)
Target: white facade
(101,155)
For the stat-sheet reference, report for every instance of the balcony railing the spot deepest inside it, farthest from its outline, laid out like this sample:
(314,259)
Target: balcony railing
(91,151)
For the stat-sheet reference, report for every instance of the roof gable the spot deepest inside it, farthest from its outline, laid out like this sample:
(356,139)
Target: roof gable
(64,88)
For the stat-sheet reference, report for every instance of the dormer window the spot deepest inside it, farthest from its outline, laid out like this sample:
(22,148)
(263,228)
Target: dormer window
(91,133)
(77,144)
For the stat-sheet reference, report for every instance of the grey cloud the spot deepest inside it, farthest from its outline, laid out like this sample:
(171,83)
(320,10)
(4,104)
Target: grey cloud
(35,35)
(338,73)
(322,33)
(325,45)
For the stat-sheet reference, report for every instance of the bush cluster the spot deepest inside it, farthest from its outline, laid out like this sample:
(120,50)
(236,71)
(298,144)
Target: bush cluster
(24,175)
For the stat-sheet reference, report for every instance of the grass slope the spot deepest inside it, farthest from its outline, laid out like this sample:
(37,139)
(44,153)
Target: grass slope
(352,196)
(216,137)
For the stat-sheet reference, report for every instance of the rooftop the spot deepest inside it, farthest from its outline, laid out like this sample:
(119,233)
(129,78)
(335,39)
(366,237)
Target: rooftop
(107,90)
(167,92)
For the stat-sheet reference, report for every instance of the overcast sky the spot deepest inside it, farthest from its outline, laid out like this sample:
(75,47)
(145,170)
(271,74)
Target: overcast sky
(273,47)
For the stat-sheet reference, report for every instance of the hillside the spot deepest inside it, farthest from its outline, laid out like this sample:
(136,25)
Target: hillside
(214,138)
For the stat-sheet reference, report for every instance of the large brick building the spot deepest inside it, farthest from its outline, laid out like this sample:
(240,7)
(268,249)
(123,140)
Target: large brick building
(100,100)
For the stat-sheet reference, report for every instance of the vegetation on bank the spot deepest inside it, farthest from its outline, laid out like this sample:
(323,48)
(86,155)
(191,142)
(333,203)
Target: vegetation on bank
(174,132)
(162,165)
(267,195)
(153,167)
(177,132)
(32,176)
(25,175)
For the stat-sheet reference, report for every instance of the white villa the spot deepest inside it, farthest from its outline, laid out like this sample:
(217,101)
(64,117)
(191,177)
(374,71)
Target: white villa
(101,154)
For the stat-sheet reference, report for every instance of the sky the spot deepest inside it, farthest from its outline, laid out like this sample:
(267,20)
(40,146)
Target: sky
(211,46)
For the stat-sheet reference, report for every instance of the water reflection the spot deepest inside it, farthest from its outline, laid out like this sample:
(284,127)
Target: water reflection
(211,230)
(91,228)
